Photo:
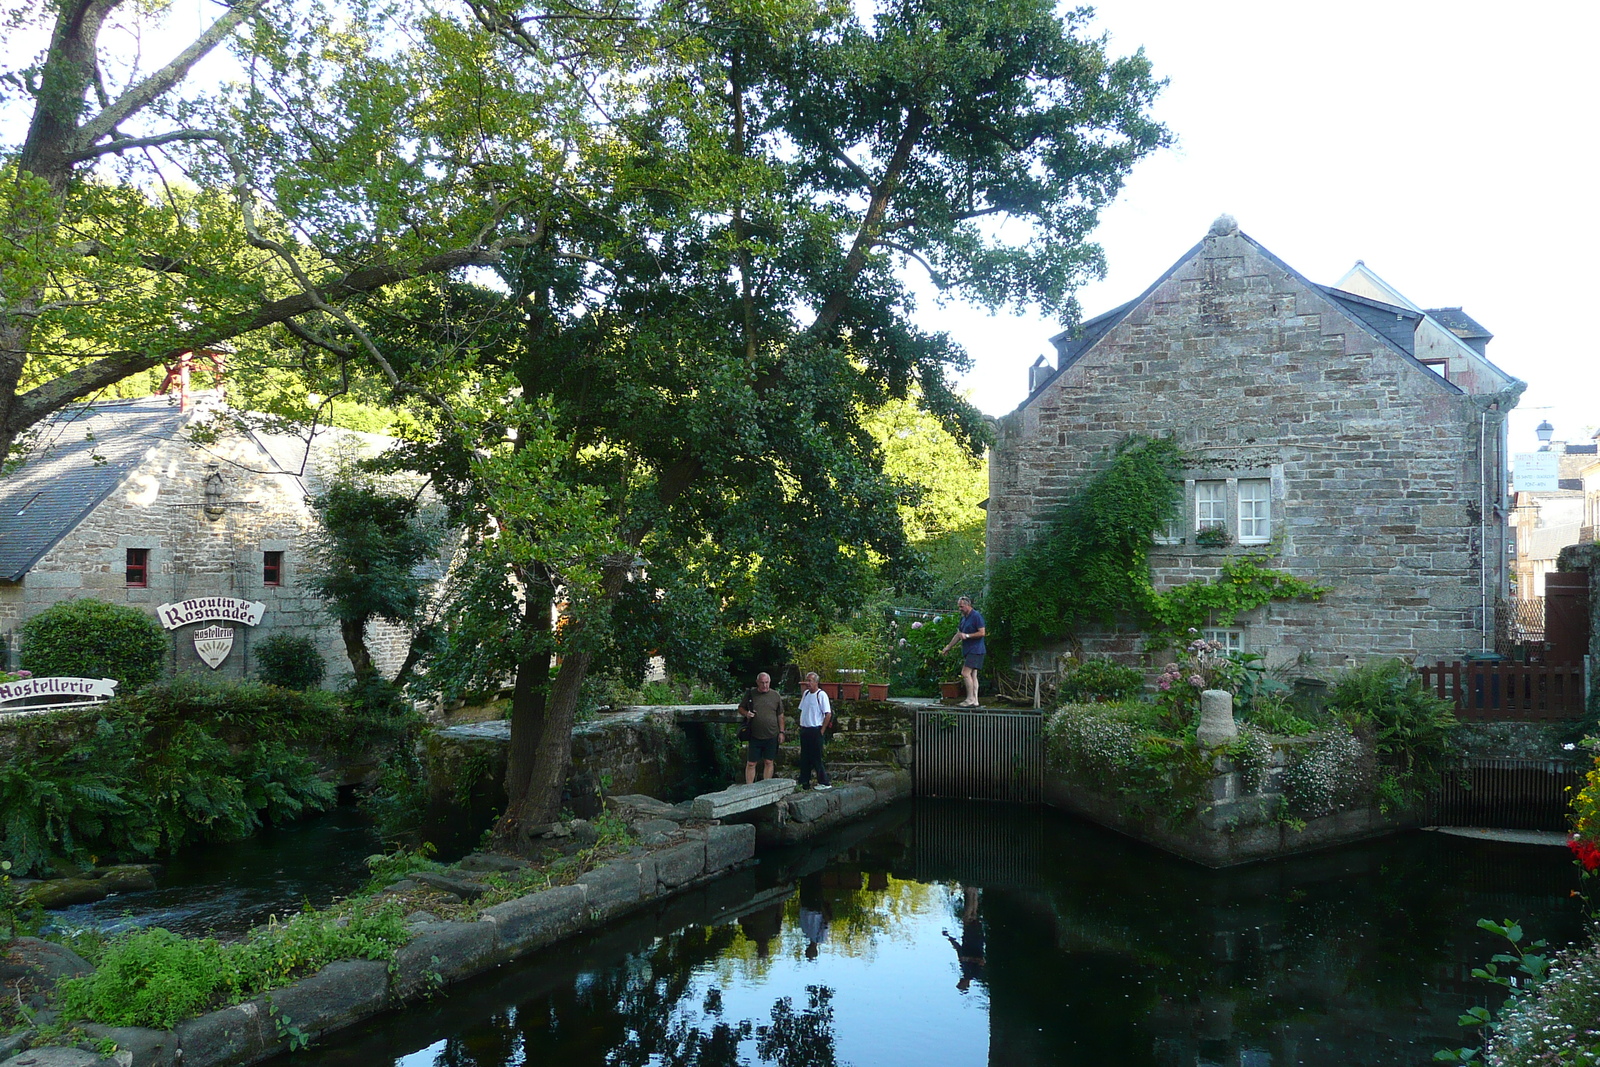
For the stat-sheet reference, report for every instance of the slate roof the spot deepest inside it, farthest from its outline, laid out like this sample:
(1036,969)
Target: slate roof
(1394,326)
(83,453)
(1546,542)
(1460,323)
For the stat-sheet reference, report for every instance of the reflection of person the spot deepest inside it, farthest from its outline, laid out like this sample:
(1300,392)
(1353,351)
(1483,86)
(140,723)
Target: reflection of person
(814,914)
(969,950)
(969,634)
(763,707)
(761,926)
(816,715)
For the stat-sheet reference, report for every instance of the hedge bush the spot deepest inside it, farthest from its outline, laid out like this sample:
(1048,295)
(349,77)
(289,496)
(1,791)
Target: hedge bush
(289,661)
(94,639)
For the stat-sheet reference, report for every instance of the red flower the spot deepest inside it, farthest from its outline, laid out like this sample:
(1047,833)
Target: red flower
(1587,853)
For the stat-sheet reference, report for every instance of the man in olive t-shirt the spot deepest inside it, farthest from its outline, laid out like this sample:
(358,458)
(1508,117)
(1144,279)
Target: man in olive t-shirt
(763,707)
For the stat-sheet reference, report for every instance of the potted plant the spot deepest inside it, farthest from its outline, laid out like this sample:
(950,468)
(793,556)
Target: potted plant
(950,691)
(878,690)
(850,684)
(1214,535)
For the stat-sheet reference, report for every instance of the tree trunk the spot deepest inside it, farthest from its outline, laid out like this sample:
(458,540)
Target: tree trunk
(529,703)
(354,632)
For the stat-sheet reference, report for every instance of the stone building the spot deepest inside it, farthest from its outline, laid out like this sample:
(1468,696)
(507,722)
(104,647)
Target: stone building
(116,501)
(1548,520)
(1346,435)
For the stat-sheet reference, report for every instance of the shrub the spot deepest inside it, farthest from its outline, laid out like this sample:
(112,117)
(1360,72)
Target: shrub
(1409,725)
(1127,747)
(94,639)
(289,661)
(1101,679)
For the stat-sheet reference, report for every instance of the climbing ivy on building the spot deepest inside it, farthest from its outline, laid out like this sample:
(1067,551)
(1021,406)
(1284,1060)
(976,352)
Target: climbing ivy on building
(1092,563)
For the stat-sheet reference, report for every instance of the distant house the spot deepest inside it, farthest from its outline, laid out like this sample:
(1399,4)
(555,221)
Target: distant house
(1349,436)
(1549,520)
(117,503)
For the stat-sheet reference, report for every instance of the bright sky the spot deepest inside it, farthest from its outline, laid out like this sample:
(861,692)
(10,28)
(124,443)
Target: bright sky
(1447,144)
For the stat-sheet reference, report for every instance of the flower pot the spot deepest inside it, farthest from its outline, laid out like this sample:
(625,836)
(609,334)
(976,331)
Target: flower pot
(951,691)
(850,690)
(877,692)
(831,688)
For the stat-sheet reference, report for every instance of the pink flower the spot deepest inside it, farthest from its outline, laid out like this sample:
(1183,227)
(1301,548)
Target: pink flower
(1196,681)
(24,674)
(902,642)
(917,625)
(1164,683)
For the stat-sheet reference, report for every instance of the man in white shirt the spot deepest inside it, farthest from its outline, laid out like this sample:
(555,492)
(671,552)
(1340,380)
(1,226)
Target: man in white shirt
(816,715)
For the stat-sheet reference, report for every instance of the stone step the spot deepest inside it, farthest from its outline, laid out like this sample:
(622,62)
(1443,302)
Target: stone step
(740,798)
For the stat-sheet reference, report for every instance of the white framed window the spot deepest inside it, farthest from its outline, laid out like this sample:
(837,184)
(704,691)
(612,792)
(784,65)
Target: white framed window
(1232,641)
(1255,511)
(1210,504)
(1171,533)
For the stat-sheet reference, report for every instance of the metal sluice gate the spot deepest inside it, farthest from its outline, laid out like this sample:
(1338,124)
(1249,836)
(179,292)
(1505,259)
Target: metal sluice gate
(1506,793)
(980,755)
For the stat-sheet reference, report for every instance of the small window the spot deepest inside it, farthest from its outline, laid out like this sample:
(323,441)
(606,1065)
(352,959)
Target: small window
(1232,641)
(138,568)
(1210,505)
(272,568)
(1441,367)
(1172,532)
(1255,511)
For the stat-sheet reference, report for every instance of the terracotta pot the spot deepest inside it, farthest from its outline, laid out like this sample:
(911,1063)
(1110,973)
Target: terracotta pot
(850,690)
(877,692)
(831,688)
(951,691)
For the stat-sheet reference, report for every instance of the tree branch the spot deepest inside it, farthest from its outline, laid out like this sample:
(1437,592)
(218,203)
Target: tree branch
(139,96)
(122,144)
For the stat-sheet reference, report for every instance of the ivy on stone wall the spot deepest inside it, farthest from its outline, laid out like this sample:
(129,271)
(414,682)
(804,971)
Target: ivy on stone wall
(1092,563)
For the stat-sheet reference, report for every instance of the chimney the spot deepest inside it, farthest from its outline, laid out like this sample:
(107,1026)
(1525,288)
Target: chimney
(1038,374)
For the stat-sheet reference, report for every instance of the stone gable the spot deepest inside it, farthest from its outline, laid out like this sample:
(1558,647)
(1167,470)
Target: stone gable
(1372,460)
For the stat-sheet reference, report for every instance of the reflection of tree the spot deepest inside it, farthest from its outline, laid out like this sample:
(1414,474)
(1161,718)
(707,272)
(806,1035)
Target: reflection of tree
(800,1039)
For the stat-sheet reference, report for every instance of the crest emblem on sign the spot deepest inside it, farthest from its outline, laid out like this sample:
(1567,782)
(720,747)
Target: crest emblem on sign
(213,643)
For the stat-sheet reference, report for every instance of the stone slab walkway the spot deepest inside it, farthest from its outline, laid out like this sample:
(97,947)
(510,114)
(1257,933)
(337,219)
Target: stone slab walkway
(1515,837)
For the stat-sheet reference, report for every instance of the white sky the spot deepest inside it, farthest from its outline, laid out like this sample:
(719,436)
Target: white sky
(1446,144)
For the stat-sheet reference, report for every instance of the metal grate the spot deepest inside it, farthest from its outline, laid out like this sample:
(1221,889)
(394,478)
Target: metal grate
(980,755)
(1506,794)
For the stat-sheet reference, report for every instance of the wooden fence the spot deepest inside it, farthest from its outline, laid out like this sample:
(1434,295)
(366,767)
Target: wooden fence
(1515,692)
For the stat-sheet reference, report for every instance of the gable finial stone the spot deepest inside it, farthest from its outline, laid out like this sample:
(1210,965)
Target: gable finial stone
(1225,226)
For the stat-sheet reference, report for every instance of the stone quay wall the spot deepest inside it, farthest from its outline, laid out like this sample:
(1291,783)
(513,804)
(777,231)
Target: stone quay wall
(1383,477)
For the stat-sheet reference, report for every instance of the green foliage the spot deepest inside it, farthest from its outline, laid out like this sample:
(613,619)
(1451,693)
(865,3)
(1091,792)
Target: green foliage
(19,917)
(290,661)
(1243,584)
(1411,726)
(839,650)
(389,867)
(156,978)
(176,763)
(94,639)
(1097,680)
(1092,561)
(1530,970)
(1130,749)
(920,661)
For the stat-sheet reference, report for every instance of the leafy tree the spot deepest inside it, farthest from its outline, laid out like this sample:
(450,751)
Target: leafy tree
(366,562)
(670,377)
(93,639)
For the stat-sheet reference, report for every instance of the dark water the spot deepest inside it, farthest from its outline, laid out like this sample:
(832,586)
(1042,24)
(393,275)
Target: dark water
(958,934)
(226,889)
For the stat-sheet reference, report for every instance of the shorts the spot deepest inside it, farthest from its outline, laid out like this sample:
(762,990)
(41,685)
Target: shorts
(973,660)
(761,751)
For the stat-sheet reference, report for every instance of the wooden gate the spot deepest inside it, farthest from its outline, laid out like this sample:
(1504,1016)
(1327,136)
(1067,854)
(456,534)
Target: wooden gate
(1509,692)
(1566,616)
(980,755)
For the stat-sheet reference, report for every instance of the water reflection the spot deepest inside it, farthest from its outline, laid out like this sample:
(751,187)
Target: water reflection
(973,935)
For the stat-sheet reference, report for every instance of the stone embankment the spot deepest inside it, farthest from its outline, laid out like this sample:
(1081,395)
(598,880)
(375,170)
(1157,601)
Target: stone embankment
(677,850)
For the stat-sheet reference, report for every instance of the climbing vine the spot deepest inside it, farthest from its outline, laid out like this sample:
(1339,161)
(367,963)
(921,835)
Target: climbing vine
(1092,564)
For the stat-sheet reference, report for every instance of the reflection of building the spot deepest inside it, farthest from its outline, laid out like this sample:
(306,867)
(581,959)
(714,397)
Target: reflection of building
(116,502)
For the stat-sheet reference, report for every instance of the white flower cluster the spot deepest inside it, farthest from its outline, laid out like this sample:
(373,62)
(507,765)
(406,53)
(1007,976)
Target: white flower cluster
(1083,736)
(1560,1022)
(1322,775)
(1252,756)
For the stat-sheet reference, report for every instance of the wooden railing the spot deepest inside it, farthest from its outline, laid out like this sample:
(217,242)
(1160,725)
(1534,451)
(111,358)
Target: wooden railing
(1514,692)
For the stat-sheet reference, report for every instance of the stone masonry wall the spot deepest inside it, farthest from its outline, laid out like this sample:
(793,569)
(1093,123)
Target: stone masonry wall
(1373,461)
(195,554)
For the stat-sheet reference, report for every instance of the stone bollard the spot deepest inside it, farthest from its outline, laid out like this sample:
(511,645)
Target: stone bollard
(1217,727)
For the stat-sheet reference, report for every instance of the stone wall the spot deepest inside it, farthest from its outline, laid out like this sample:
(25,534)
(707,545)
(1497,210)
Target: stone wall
(196,552)
(1373,461)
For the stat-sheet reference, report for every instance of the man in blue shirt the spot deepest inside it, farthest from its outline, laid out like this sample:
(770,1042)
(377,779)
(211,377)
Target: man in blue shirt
(969,632)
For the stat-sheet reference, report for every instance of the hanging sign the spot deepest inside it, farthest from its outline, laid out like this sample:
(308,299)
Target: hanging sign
(48,694)
(209,608)
(1536,472)
(212,644)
